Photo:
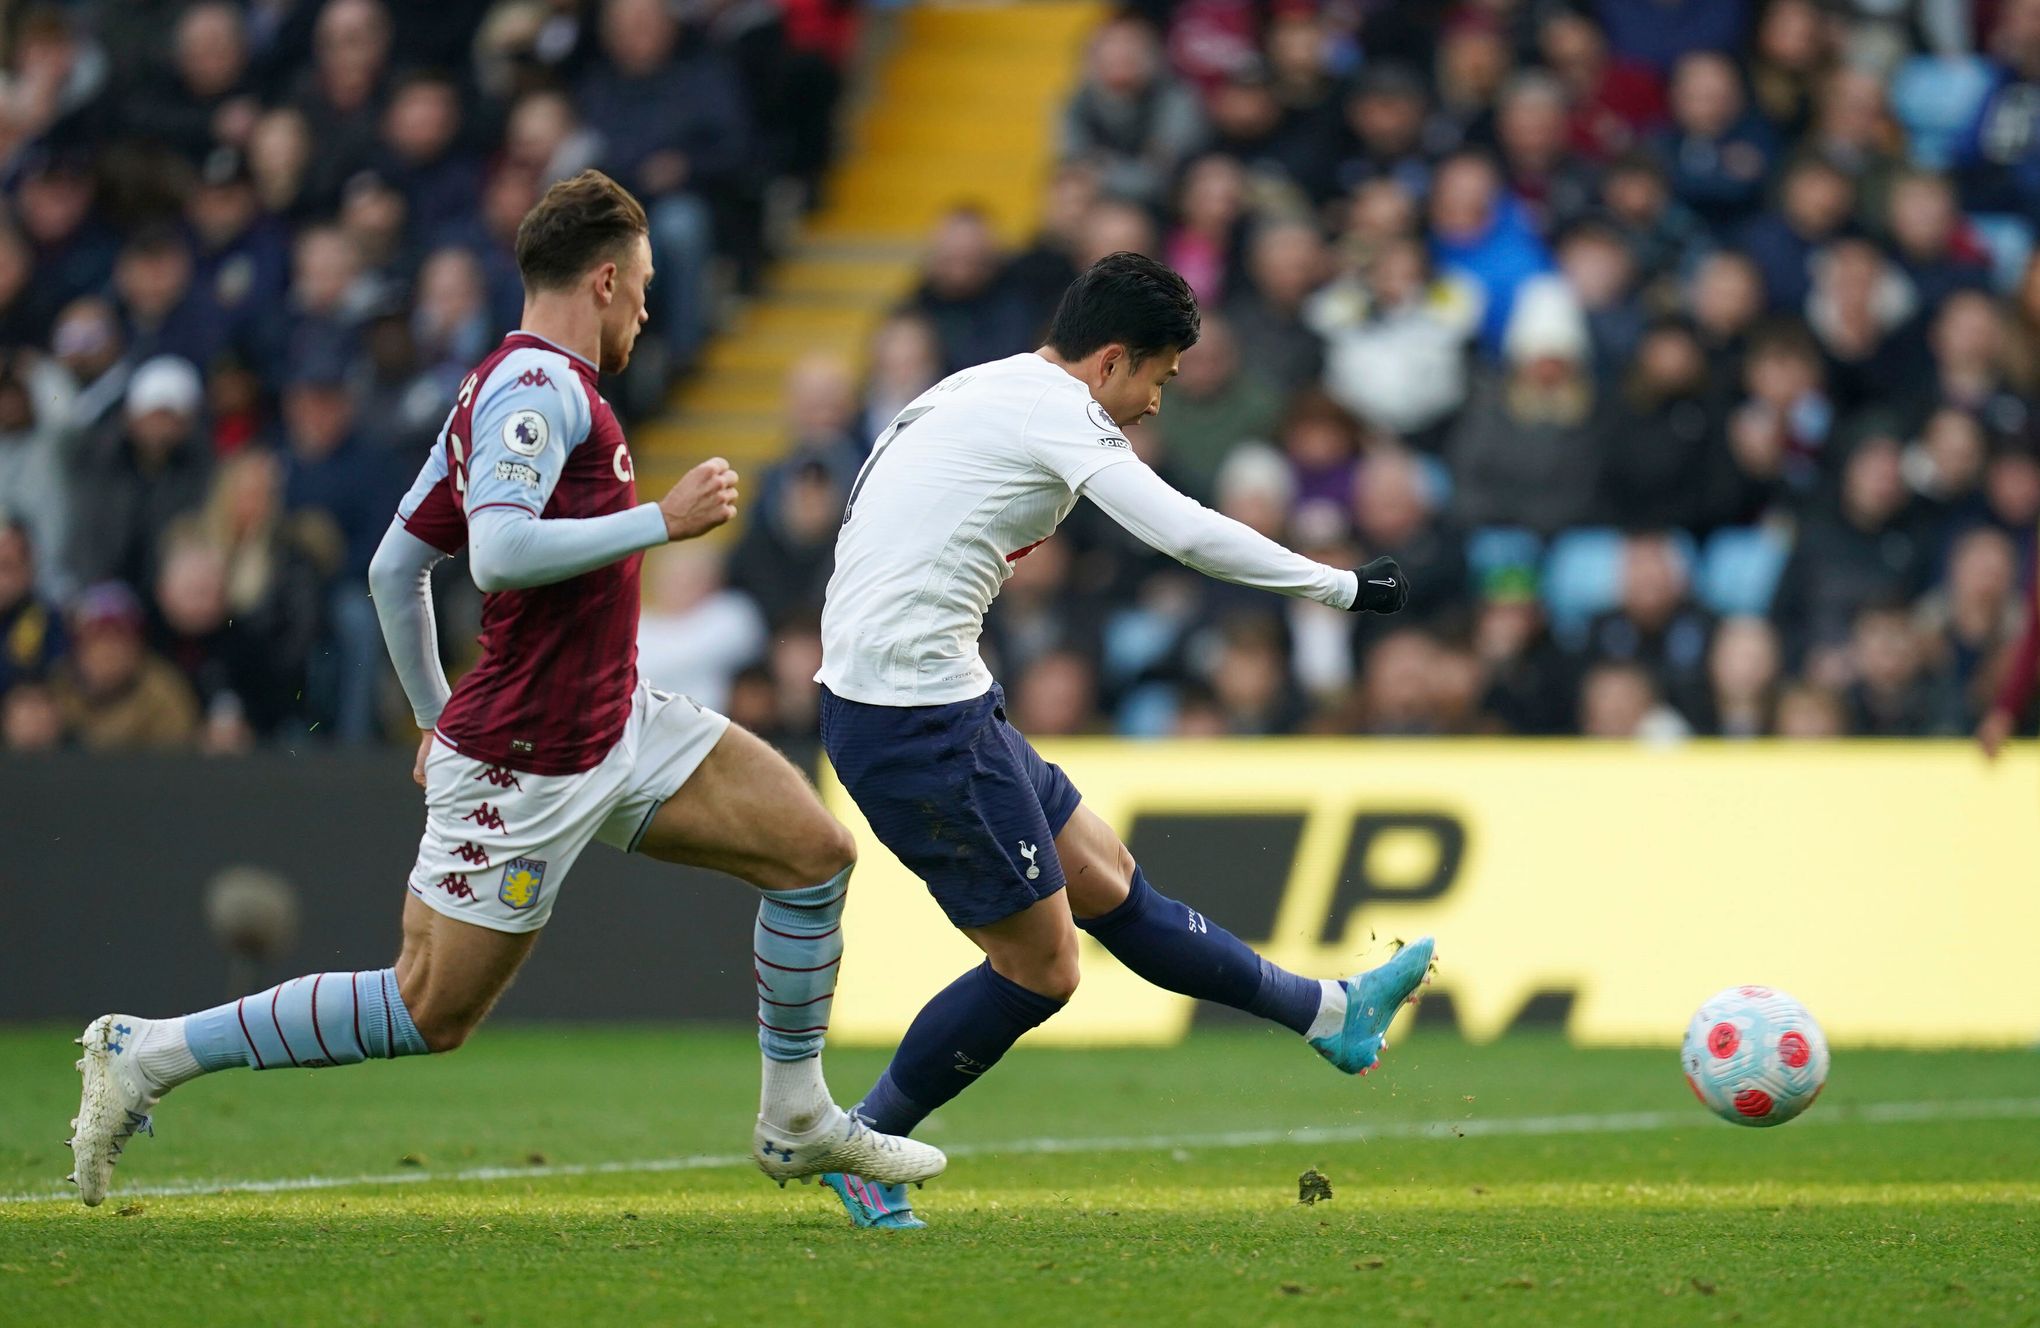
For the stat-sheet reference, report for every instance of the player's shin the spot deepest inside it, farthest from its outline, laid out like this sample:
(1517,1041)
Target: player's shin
(319,1019)
(1179,949)
(797,947)
(958,1035)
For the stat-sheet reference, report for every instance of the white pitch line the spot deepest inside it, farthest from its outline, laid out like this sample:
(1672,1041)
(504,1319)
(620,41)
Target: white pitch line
(1621,1122)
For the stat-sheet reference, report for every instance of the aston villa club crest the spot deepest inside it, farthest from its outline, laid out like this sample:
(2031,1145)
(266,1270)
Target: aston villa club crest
(521,881)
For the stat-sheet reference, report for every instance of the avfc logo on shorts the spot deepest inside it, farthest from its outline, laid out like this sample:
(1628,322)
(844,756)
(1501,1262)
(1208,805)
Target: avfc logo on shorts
(521,880)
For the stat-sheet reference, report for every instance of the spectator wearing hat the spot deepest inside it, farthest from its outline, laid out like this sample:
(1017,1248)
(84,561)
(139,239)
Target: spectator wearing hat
(1128,117)
(240,255)
(31,628)
(134,480)
(113,692)
(1527,450)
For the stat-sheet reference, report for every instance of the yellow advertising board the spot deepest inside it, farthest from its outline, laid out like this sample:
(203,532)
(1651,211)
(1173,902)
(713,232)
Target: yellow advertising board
(1893,887)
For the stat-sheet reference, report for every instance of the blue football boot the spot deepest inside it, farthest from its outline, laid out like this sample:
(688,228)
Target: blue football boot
(871,1204)
(1372,999)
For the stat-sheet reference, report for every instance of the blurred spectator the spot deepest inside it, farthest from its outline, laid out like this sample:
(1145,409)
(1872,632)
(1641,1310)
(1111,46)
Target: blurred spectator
(1743,674)
(1866,552)
(1250,679)
(1657,626)
(341,97)
(977,316)
(133,480)
(1128,117)
(1667,465)
(1399,686)
(1619,700)
(1664,236)
(1999,156)
(1853,131)
(164,312)
(1527,450)
(450,326)
(1720,151)
(1779,433)
(1932,241)
(1601,272)
(1944,467)
(1322,442)
(24,311)
(280,162)
(241,259)
(1215,404)
(206,96)
(30,719)
(1473,59)
(1809,711)
(218,655)
(31,628)
(274,581)
(906,360)
(1892,695)
(36,403)
(788,548)
(1280,122)
(1972,367)
(1478,230)
(1205,244)
(1114,227)
(797,699)
(1969,621)
(423,157)
(1530,680)
(1057,695)
(1286,262)
(74,248)
(1814,204)
(1396,513)
(1792,52)
(1395,338)
(1861,310)
(695,634)
(1044,270)
(1385,122)
(113,692)
(1657,32)
(87,345)
(1613,104)
(1552,183)
(1725,299)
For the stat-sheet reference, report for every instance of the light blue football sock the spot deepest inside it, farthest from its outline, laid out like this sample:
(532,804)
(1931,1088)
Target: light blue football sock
(797,947)
(319,1019)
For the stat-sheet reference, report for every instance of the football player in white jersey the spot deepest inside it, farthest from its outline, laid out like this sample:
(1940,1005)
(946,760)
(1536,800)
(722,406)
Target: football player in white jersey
(971,476)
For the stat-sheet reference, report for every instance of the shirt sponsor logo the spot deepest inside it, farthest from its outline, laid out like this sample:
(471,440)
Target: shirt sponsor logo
(518,471)
(1115,442)
(620,464)
(521,881)
(526,433)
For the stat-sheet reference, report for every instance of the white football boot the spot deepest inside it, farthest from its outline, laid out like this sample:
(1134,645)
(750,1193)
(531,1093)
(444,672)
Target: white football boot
(116,1102)
(843,1142)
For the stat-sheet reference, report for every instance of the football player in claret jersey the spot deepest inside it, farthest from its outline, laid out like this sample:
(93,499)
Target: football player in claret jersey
(971,476)
(551,741)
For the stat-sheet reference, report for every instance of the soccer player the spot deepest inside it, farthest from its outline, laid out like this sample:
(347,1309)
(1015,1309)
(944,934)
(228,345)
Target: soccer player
(551,741)
(970,477)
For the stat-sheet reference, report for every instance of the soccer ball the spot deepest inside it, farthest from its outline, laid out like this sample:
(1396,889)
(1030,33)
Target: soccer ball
(1754,1056)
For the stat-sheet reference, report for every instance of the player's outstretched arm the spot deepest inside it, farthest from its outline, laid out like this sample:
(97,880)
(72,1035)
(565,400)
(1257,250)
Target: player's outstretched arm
(512,548)
(1216,545)
(400,581)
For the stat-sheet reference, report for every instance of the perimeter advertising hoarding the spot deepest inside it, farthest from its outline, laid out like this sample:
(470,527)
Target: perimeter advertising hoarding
(1893,887)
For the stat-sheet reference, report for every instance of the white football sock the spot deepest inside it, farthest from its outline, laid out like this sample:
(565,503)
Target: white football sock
(793,1096)
(163,1055)
(1331,1011)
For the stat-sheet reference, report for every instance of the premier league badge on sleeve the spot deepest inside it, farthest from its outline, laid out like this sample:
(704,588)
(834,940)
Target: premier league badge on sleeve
(526,433)
(522,878)
(1100,418)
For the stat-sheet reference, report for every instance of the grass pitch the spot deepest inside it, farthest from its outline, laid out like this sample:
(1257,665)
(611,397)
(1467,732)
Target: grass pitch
(549,1175)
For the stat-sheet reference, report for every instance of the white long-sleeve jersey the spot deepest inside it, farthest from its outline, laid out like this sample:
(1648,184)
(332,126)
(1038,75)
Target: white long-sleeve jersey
(964,482)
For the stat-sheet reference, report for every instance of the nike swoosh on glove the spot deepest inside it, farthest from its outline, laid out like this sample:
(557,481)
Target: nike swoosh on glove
(1383,587)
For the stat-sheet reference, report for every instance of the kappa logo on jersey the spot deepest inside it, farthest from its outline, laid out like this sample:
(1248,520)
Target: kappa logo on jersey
(533,378)
(518,471)
(521,880)
(526,433)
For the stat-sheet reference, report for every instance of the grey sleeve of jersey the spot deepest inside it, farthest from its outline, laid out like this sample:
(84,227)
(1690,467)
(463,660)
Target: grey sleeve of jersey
(400,581)
(1147,507)
(511,549)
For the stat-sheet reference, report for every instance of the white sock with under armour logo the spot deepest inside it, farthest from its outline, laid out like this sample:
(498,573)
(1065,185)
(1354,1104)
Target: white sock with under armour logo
(793,1096)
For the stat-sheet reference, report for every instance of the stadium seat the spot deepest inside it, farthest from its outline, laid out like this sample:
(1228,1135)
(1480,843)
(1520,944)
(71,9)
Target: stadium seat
(1935,98)
(2009,238)
(1582,576)
(1492,548)
(1739,569)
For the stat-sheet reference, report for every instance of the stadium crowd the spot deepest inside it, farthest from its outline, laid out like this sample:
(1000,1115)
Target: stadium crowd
(1685,352)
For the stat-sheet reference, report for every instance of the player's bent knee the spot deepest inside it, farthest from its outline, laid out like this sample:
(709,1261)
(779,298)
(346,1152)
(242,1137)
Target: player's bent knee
(443,1033)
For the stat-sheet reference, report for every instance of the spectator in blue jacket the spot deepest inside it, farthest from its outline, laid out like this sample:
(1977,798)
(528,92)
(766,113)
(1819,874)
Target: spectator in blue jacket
(1482,232)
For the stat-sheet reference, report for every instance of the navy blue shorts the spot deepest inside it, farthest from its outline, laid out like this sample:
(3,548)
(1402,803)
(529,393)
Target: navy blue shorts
(958,796)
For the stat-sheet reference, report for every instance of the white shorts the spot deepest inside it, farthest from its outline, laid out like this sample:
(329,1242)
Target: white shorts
(499,842)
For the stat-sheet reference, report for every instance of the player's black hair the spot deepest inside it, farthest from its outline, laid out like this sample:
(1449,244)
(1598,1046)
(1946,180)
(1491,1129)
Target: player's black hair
(1128,300)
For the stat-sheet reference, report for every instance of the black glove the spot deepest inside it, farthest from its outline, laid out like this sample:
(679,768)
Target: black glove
(1383,587)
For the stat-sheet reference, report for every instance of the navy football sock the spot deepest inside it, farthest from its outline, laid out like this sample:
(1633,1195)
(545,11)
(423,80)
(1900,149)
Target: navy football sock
(1179,949)
(958,1035)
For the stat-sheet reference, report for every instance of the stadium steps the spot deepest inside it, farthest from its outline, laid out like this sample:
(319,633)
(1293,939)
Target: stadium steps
(960,107)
